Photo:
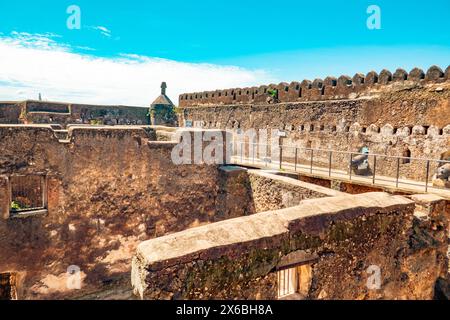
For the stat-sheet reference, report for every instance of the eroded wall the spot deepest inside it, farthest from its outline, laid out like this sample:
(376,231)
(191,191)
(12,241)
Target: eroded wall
(331,88)
(107,190)
(237,258)
(341,238)
(398,119)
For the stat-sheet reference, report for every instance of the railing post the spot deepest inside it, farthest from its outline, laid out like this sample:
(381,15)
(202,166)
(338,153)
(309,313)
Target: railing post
(398,172)
(295,162)
(374,168)
(329,163)
(350,166)
(312,160)
(281,156)
(426,178)
(253,148)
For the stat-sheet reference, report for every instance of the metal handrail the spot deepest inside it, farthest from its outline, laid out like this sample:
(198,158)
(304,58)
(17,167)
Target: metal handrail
(330,155)
(349,152)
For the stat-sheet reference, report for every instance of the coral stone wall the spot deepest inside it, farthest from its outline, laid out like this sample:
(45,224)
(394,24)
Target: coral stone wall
(343,240)
(237,258)
(273,192)
(10,112)
(41,112)
(107,190)
(399,119)
(243,192)
(330,88)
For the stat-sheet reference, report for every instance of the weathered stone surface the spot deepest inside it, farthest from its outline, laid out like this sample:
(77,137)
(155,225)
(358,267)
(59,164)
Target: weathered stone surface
(416,74)
(342,87)
(108,189)
(434,73)
(400,75)
(236,258)
(407,109)
(42,112)
(385,77)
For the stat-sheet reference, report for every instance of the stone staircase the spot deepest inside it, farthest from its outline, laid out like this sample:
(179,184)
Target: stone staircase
(62,135)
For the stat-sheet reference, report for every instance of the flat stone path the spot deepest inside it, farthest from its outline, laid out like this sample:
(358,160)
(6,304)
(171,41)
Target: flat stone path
(404,185)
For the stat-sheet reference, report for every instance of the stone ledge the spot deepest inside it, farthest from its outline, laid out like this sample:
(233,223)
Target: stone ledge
(223,238)
(28,214)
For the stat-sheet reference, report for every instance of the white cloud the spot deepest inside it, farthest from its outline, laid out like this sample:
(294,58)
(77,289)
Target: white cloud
(103,30)
(33,64)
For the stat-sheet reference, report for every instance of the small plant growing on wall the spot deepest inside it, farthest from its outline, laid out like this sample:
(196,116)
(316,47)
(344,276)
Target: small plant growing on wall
(17,206)
(96,122)
(272,96)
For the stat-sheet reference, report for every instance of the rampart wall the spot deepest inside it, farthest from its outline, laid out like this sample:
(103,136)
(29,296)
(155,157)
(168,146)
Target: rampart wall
(403,118)
(330,88)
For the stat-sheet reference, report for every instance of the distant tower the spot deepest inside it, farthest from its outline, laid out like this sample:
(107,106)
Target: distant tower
(40,97)
(162,109)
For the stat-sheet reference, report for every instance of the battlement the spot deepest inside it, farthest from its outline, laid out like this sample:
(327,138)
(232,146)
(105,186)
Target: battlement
(330,88)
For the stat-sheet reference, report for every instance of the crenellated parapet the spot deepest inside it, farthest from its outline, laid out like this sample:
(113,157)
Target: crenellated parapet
(330,88)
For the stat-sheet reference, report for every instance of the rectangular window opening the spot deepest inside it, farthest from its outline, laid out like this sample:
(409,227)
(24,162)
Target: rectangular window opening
(8,290)
(294,282)
(27,193)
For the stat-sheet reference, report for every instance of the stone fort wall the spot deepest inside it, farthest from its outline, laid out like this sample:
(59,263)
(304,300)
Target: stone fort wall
(396,114)
(107,189)
(331,88)
(335,241)
(43,112)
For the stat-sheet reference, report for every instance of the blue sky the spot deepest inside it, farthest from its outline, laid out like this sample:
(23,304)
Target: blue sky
(212,44)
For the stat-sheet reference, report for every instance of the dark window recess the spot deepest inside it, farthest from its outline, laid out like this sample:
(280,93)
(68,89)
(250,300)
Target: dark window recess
(8,290)
(27,193)
(407,156)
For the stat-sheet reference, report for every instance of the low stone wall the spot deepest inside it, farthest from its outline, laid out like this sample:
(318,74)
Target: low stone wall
(341,238)
(244,191)
(272,192)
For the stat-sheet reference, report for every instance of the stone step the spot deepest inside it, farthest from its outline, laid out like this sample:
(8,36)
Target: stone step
(61,134)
